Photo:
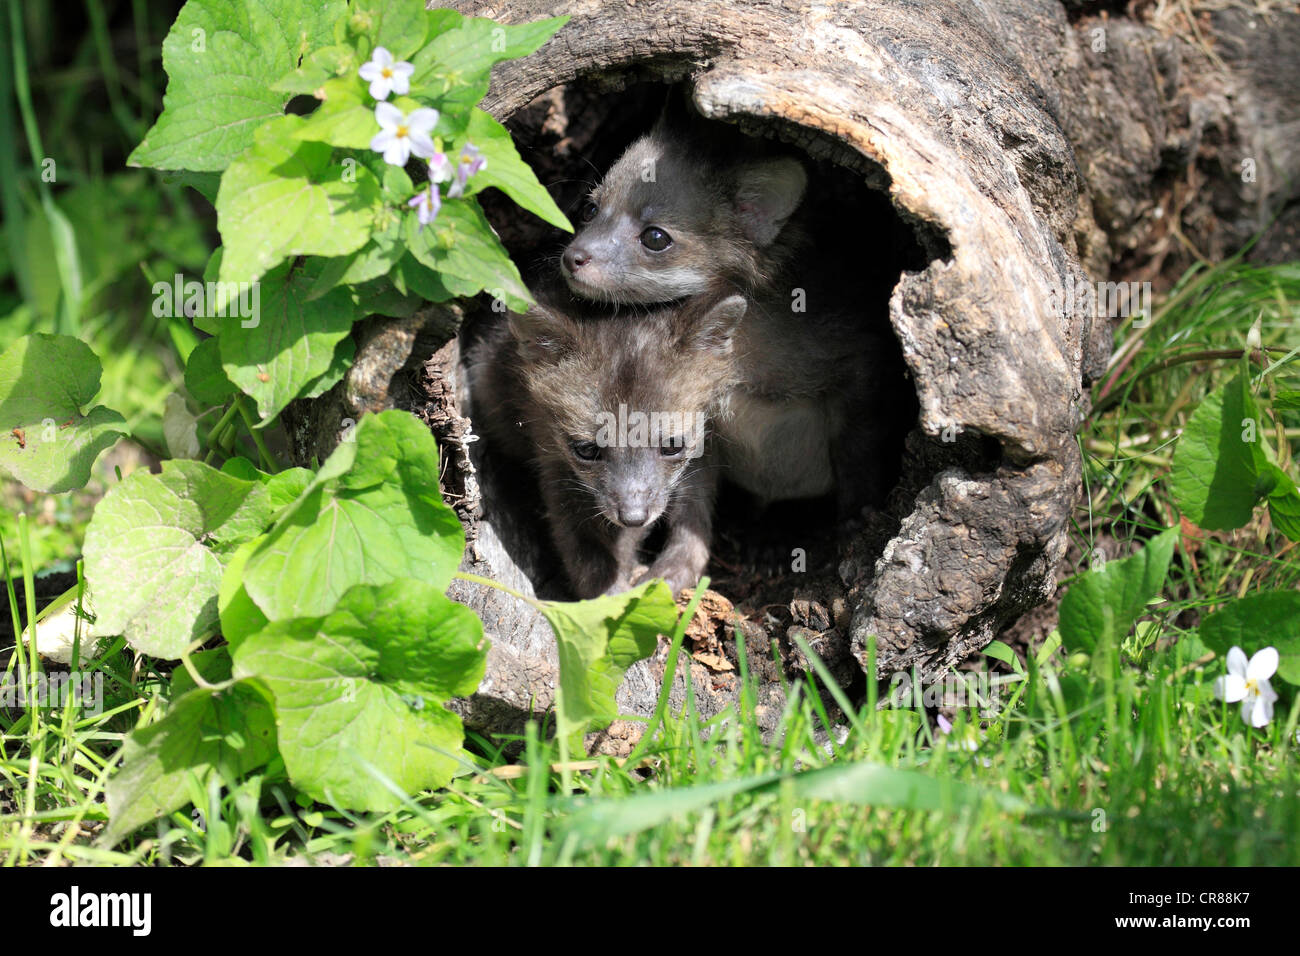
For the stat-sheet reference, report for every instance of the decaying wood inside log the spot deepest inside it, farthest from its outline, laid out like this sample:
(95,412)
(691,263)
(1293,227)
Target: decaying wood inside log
(1016,148)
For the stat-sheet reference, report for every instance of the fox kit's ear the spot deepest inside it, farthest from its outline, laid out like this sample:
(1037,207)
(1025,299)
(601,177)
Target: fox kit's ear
(542,335)
(767,193)
(713,330)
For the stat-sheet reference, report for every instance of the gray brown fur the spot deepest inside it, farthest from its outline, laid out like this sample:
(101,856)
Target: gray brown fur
(728,219)
(540,383)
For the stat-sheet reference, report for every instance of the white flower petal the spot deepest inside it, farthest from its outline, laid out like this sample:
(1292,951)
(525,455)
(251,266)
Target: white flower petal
(381,57)
(370,71)
(1257,711)
(382,140)
(401,84)
(390,117)
(403,69)
(1263,665)
(399,152)
(421,145)
(423,120)
(1231,688)
(380,88)
(1266,691)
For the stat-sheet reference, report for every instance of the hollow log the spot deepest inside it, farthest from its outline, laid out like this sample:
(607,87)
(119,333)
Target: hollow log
(1026,148)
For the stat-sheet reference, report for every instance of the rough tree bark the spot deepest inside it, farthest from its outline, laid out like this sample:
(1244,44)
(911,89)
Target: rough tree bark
(1031,145)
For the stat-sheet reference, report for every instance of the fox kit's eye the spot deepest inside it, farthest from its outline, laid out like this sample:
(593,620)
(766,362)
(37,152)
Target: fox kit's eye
(586,450)
(588,211)
(672,447)
(655,239)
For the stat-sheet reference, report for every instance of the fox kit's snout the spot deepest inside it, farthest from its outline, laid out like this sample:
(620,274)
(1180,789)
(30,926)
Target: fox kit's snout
(666,223)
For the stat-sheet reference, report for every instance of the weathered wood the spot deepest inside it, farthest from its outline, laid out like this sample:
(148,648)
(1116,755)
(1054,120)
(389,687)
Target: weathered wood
(1027,155)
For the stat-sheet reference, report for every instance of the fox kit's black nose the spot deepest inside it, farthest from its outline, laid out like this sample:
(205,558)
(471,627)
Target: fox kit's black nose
(632,515)
(575,258)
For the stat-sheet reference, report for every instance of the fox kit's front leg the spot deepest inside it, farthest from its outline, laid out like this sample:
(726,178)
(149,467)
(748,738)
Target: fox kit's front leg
(598,556)
(685,554)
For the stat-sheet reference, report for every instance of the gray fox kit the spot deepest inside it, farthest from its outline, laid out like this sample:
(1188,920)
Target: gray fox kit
(683,211)
(613,413)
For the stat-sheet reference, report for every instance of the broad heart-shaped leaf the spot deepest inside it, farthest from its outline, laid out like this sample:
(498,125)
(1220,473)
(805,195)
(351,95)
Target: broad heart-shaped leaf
(1216,463)
(228,731)
(47,443)
(1256,621)
(374,514)
(506,171)
(399,26)
(454,66)
(290,343)
(283,198)
(1102,606)
(221,60)
(155,548)
(359,692)
(461,246)
(598,641)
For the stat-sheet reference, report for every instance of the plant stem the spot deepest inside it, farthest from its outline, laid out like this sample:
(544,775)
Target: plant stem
(273,466)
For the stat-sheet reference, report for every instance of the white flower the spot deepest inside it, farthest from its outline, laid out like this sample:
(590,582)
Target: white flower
(385,76)
(403,135)
(1247,682)
(426,204)
(439,168)
(471,162)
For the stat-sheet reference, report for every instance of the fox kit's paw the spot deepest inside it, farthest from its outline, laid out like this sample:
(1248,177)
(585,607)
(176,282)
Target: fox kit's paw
(678,574)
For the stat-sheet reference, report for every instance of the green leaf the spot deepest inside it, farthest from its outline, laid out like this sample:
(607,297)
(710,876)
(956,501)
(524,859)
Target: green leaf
(1001,652)
(507,172)
(284,198)
(344,119)
(46,442)
(338,367)
(376,258)
(1287,399)
(399,26)
(222,60)
(359,692)
(240,617)
(1284,503)
(460,245)
(1215,465)
(419,279)
(290,342)
(455,66)
(228,732)
(321,65)
(1102,606)
(598,641)
(205,379)
(155,549)
(1256,621)
(373,515)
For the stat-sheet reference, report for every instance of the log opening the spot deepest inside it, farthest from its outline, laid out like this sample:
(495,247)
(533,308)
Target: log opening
(763,556)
